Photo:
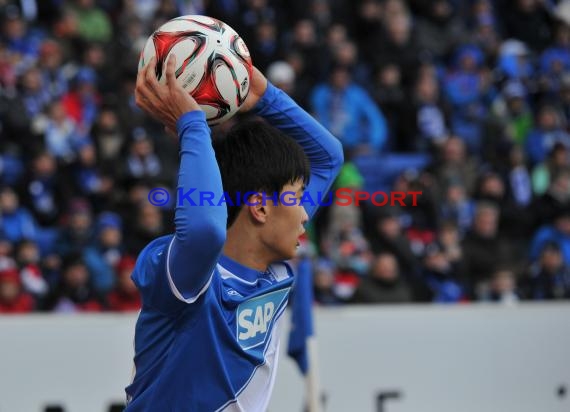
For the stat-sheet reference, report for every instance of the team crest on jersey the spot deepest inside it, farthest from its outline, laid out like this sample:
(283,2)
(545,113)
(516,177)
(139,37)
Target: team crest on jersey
(255,317)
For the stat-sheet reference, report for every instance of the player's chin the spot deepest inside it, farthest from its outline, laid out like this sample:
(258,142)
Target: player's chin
(290,253)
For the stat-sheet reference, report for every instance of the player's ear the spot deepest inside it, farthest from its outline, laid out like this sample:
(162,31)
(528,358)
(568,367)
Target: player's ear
(257,207)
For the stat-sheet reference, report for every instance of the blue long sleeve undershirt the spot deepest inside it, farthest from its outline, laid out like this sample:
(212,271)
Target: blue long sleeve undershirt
(201,230)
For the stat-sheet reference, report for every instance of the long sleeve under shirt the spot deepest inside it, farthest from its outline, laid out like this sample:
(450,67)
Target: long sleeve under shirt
(207,337)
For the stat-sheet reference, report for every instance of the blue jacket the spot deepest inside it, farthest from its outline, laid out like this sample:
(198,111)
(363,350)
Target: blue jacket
(359,121)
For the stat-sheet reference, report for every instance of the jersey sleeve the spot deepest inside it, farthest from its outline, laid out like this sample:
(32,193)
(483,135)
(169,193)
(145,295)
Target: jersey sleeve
(322,148)
(200,223)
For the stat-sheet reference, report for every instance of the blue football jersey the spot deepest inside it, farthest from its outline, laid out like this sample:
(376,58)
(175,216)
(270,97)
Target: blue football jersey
(216,354)
(207,336)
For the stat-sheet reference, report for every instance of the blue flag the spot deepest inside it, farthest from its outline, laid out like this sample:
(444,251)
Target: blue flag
(302,316)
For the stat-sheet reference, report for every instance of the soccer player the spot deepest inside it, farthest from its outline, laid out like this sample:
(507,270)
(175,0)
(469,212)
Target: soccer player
(207,337)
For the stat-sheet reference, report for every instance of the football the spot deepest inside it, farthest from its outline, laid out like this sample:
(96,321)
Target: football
(213,62)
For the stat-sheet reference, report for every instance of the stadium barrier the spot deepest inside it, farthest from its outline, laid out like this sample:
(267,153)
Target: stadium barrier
(416,358)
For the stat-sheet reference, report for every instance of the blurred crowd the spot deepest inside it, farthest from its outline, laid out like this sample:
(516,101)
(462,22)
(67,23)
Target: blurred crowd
(471,98)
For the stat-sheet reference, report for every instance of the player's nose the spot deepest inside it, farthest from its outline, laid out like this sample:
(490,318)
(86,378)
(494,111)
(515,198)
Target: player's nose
(304,217)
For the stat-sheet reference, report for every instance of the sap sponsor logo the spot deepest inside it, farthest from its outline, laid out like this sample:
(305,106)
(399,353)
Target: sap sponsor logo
(255,317)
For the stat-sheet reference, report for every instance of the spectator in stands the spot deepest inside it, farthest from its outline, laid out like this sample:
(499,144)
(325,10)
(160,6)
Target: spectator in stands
(554,63)
(425,124)
(384,283)
(450,240)
(21,41)
(105,253)
(125,296)
(386,234)
(485,28)
(13,299)
(266,46)
(45,190)
(93,23)
(350,114)
(555,200)
(457,207)
(525,14)
(28,259)
(398,44)
(53,70)
(454,164)
(467,86)
(439,29)
(518,184)
(502,288)
(324,283)
(142,161)
(558,233)
(550,129)
(549,277)
(148,224)
(82,101)
(483,249)
(391,99)
(558,161)
(75,292)
(35,94)
(109,138)
(89,180)
(511,118)
(60,133)
(440,278)
(77,231)
(305,42)
(17,221)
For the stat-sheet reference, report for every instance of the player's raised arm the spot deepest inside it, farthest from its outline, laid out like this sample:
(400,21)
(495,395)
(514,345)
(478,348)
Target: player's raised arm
(200,224)
(322,148)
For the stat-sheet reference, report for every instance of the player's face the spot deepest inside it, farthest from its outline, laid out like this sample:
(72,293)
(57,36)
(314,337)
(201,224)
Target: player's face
(286,223)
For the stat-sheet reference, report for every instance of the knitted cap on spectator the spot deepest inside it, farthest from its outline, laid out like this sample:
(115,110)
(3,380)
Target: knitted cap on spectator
(514,90)
(139,133)
(514,47)
(109,219)
(349,177)
(126,263)
(280,72)
(86,75)
(10,275)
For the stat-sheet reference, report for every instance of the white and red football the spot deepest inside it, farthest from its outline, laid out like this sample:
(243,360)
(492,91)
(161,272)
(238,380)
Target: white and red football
(213,62)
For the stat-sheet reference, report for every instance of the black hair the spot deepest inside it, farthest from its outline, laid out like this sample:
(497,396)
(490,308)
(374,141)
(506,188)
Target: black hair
(256,157)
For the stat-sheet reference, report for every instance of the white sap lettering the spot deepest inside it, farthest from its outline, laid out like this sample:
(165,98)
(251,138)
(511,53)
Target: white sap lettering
(269,309)
(258,323)
(245,323)
(263,315)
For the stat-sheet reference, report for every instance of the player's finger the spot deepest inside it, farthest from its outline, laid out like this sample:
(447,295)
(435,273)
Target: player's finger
(171,71)
(141,101)
(150,75)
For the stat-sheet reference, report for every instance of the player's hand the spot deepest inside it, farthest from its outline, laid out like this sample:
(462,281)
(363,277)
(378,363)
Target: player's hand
(256,90)
(165,102)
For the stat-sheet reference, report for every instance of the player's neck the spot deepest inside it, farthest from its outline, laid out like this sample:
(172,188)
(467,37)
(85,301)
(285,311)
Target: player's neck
(243,246)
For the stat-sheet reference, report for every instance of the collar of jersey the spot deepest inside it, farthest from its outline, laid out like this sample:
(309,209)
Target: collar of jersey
(237,269)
